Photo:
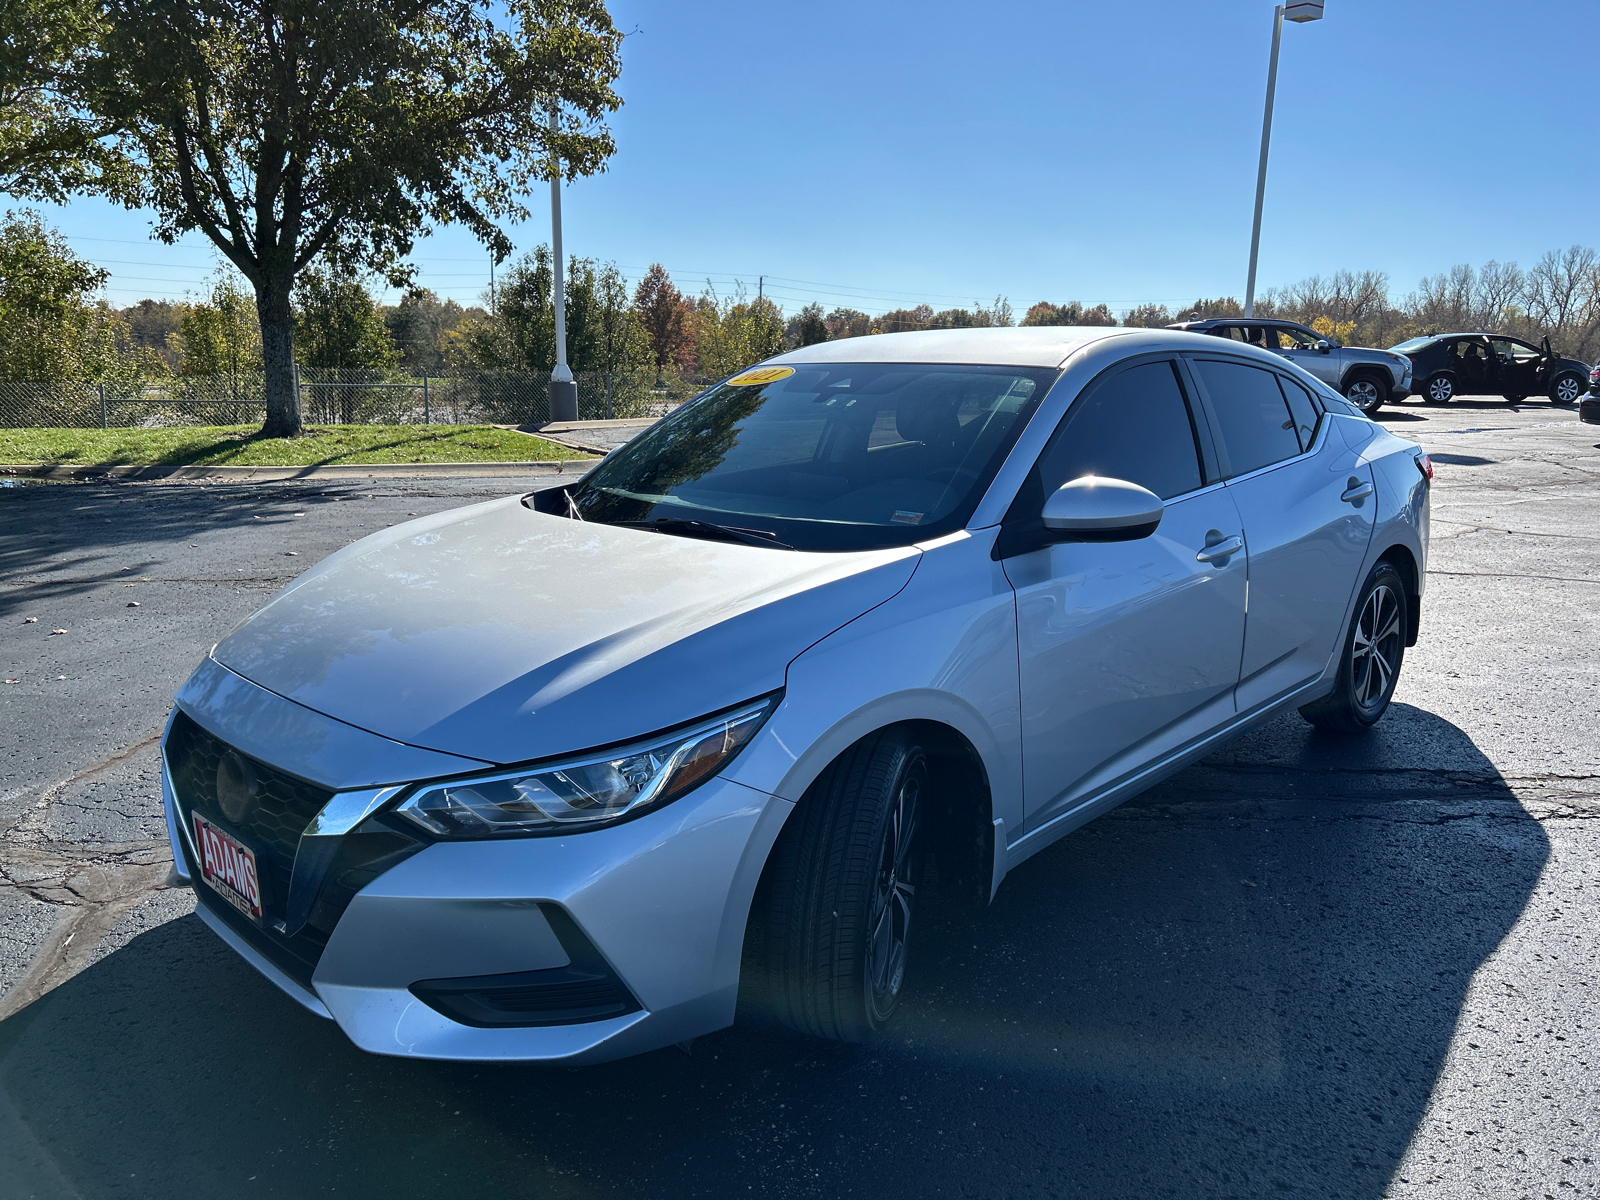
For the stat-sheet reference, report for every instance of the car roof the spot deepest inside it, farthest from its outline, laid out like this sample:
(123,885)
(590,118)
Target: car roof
(1212,322)
(1034,346)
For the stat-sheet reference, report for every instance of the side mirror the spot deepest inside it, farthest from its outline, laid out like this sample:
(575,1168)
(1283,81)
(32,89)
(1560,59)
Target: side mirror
(1324,345)
(1096,509)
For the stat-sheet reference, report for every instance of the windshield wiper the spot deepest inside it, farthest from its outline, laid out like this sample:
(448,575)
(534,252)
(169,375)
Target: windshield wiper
(710,529)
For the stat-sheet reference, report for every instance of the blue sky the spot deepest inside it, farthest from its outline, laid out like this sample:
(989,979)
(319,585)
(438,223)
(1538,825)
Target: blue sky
(878,153)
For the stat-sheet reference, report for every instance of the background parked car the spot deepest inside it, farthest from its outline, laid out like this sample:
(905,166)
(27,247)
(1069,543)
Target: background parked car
(1447,365)
(1589,406)
(1364,377)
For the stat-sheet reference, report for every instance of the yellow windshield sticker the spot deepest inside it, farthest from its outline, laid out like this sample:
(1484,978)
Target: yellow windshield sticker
(758,376)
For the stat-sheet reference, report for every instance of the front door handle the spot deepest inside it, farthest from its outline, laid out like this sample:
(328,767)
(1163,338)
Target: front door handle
(1356,490)
(1226,548)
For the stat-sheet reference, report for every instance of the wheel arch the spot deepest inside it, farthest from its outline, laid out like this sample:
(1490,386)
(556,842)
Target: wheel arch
(1381,373)
(1399,556)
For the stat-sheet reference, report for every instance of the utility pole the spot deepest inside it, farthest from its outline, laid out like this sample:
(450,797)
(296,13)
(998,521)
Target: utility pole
(1300,11)
(761,285)
(563,391)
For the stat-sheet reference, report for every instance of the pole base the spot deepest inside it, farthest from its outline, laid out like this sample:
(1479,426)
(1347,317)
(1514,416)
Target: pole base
(563,401)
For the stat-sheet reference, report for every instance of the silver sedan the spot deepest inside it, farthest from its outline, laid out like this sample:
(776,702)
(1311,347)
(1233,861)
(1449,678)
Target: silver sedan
(578,774)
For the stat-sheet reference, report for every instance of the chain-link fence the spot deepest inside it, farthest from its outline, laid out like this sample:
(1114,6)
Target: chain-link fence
(343,397)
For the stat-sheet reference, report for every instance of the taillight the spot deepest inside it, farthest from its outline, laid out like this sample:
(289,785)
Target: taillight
(1594,377)
(1425,465)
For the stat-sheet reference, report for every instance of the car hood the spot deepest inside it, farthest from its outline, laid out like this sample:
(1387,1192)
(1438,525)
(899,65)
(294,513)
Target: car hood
(505,634)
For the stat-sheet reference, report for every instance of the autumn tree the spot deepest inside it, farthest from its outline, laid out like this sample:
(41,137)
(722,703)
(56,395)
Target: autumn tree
(666,318)
(286,129)
(1147,316)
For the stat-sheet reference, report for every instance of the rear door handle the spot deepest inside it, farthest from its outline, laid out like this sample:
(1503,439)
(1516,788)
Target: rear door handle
(1356,490)
(1226,548)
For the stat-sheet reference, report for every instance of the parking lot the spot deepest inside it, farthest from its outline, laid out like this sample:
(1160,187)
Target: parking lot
(1309,965)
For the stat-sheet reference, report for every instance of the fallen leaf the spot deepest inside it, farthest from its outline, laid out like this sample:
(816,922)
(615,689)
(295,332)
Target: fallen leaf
(291,553)
(30,620)
(133,604)
(194,545)
(60,676)
(53,632)
(13,681)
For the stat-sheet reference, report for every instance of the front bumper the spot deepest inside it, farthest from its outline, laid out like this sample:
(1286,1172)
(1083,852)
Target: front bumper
(1589,409)
(659,903)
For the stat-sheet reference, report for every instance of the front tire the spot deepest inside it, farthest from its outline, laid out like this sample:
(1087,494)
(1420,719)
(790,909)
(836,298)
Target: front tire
(1369,666)
(835,906)
(1367,392)
(1440,389)
(1515,399)
(1566,388)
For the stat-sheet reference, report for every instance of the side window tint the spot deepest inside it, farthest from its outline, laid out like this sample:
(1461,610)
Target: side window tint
(1134,426)
(1256,427)
(1303,409)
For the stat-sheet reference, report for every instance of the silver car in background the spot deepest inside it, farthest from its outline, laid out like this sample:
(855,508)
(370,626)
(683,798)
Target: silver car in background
(1367,378)
(583,773)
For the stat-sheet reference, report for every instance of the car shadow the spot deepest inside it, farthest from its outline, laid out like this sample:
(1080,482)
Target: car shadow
(1244,982)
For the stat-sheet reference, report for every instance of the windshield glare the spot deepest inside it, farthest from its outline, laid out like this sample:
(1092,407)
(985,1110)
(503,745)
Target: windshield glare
(1415,343)
(841,456)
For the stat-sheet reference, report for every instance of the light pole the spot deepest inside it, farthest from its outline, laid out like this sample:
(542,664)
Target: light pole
(1301,11)
(563,391)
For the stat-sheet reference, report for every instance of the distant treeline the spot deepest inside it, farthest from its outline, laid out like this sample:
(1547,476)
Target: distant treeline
(54,325)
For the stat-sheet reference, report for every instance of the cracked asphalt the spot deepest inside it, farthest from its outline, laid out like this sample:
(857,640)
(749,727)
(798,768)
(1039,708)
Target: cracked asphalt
(1309,965)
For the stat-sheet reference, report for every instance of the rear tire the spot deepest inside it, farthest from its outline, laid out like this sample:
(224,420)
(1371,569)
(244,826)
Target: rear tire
(832,917)
(1369,666)
(1366,391)
(1440,389)
(1566,388)
(1515,399)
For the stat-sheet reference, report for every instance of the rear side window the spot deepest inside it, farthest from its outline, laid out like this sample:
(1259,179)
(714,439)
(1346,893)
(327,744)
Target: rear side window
(1303,409)
(1134,425)
(1256,426)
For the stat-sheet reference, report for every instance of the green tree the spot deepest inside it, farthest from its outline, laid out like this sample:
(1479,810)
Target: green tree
(52,328)
(50,147)
(220,335)
(731,334)
(285,130)
(422,324)
(1147,316)
(1071,313)
(337,323)
(810,327)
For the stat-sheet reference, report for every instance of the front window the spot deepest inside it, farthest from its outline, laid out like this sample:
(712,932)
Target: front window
(835,456)
(1513,349)
(1291,337)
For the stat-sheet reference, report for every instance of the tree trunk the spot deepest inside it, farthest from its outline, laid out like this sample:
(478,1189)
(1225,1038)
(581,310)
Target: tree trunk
(277,360)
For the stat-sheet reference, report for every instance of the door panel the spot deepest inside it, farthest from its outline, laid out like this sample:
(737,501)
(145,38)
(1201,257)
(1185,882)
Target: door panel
(1127,650)
(1306,547)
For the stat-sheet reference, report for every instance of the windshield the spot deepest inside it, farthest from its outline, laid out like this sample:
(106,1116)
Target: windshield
(1412,344)
(838,456)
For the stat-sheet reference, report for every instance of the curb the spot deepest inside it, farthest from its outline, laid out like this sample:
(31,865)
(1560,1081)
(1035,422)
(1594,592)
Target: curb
(481,470)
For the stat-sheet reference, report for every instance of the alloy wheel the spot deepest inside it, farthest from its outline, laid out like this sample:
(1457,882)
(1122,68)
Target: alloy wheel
(1376,649)
(889,920)
(1441,390)
(1567,389)
(1363,393)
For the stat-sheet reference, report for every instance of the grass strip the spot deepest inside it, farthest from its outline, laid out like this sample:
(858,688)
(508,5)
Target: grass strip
(242,446)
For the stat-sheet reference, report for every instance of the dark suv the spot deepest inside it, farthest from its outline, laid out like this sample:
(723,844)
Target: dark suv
(1447,365)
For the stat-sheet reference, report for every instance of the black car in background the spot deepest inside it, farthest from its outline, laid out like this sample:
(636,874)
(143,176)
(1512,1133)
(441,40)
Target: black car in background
(1447,365)
(1589,406)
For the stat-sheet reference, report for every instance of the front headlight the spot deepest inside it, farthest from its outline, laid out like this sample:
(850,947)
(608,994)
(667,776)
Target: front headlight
(585,791)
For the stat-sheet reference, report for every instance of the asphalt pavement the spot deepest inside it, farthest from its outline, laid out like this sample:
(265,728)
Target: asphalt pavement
(1308,966)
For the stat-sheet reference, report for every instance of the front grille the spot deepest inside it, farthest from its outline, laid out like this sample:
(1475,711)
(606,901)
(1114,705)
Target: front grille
(281,808)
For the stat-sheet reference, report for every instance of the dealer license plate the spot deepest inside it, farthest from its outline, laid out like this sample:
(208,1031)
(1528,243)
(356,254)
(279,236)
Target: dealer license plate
(229,867)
